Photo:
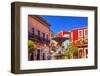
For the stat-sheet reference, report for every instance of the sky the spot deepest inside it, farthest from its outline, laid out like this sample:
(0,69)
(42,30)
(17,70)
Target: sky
(65,23)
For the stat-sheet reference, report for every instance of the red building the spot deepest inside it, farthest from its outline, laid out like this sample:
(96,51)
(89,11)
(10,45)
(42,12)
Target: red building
(80,33)
(64,34)
(39,34)
(77,38)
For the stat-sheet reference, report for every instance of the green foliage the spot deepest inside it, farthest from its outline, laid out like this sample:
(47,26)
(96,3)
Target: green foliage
(68,53)
(80,41)
(73,49)
(31,46)
(86,41)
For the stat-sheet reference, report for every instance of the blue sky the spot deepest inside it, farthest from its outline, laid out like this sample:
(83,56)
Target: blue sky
(65,23)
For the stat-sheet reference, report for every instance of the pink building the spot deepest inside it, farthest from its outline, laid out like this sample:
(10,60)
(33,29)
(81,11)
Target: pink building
(39,33)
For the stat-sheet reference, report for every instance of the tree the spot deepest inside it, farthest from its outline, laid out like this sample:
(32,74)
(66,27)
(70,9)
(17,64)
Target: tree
(67,54)
(70,51)
(31,46)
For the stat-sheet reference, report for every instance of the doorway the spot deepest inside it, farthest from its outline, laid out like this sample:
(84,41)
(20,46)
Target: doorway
(38,54)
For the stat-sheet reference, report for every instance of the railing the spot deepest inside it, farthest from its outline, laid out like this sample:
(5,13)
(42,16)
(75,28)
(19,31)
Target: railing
(38,38)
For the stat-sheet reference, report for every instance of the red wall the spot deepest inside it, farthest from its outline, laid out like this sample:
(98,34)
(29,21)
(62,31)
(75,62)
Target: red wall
(75,34)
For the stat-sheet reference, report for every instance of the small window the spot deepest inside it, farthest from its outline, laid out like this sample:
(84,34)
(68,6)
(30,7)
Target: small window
(43,35)
(80,33)
(86,32)
(80,53)
(38,33)
(47,36)
(32,30)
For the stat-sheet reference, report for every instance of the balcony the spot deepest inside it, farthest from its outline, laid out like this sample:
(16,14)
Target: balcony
(80,43)
(39,39)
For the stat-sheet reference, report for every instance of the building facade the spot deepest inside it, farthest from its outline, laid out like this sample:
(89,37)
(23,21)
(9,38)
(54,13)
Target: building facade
(39,33)
(76,38)
(64,35)
(79,38)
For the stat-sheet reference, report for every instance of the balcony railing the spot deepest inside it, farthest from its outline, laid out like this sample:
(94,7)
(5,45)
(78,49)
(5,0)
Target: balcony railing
(80,43)
(38,38)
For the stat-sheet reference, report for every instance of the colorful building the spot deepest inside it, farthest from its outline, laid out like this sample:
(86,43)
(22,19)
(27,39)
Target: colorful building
(39,33)
(46,42)
(79,38)
(65,37)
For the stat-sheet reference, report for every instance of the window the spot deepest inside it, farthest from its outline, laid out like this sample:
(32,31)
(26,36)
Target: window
(32,30)
(29,35)
(86,53)
(80,33)
(43,35)
(47,36)
(38,33)
(38,54)
(86,32)
(32,56)
(80,53)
